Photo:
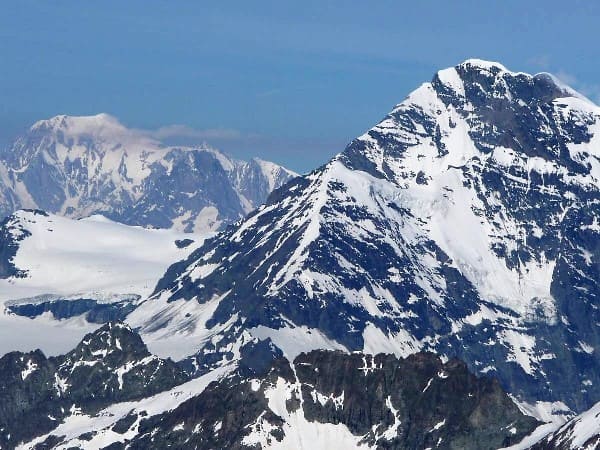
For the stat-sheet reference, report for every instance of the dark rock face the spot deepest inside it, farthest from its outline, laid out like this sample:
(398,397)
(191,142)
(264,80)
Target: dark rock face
(79,166)
(385,402)
(94,311)
(110,365)
(424,393)
(183,243)
(382,401)
(11,233)
(465,223)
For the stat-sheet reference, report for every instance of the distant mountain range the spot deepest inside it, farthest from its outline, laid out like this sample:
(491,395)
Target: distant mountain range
(80,166)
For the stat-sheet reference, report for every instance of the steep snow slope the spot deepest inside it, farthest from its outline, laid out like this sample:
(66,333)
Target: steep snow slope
(60,268)
(465,223)
(580,433)
(79,166)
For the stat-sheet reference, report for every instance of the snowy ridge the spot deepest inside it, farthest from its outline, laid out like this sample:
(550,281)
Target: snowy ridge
(580,433)
(273,173)
(79,166)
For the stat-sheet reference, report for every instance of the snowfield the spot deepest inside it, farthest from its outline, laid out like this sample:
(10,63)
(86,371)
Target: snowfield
(92,258)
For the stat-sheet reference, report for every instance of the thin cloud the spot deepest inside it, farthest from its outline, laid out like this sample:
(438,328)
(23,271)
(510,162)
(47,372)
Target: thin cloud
(185,132)
(590,90)
(221,138)
(269,93)
(297,153)
(541,62)
(566,78)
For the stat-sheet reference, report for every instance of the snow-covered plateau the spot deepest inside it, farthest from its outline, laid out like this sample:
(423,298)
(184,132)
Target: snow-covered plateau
(53,260)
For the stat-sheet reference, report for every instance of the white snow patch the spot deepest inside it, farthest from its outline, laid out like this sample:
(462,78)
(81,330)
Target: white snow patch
(29,369)
(293,341)
(300,433)
(401,344)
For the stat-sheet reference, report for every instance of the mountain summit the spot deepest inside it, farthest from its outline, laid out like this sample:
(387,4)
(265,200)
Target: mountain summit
(465,223)
(79,166)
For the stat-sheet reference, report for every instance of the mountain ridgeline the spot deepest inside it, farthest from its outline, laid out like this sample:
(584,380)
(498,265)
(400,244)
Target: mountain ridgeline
(266,400)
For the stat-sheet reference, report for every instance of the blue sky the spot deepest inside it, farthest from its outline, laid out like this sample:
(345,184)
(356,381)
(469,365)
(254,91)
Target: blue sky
(288,81)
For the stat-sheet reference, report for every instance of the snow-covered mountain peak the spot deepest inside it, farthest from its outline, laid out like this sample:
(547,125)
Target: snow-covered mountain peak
(454,147)
(451,76)
(465,222)
(64,122)
(100,126)
(491,66)
(481,111)
(497,78)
